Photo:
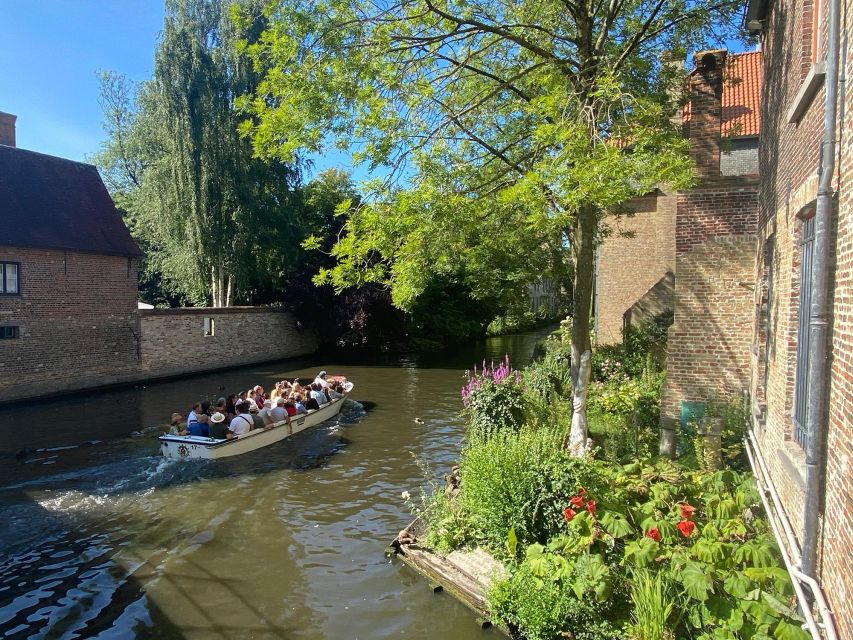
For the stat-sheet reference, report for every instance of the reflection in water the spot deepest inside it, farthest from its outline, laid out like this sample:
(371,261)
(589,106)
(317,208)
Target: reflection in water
(100,537)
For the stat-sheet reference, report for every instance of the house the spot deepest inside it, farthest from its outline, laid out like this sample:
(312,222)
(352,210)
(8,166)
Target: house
(801,352)
(69,276)
(763,296)
(636,272)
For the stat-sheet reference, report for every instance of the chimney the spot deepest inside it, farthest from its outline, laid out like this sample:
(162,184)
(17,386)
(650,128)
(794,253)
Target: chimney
(7,129)
(706,92)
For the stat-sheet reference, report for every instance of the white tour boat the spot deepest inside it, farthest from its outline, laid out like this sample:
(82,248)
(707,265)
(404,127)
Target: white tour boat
(191,447)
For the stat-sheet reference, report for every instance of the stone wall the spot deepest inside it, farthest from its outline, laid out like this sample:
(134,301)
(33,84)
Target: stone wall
(177,341)
(76,319)
(739,157)
(634,261)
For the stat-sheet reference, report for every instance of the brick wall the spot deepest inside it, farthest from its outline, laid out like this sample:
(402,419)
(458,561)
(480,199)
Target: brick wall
(79,328)
(789,159)
(634,261)
(709,340)
(174,340)
(77,322)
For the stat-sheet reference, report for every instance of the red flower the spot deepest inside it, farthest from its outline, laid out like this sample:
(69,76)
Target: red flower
(654,534)
(686,510)
(576,502)
(590,506)
(686,527)
(569,513)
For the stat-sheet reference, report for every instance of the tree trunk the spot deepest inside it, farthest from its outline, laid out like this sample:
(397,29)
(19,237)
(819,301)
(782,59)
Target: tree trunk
(228,291)
(581,366)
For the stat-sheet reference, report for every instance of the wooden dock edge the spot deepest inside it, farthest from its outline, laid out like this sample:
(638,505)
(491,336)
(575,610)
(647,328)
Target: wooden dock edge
(448,577)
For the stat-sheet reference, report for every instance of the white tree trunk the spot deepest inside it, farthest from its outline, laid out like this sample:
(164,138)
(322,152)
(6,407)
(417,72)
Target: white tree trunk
(581,370)
(228,291)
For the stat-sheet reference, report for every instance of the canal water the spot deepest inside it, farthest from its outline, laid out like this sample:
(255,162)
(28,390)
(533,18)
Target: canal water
(102,538)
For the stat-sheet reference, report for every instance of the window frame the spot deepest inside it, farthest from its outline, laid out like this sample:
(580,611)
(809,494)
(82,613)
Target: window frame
(803,365)
(3,264)
(16,332)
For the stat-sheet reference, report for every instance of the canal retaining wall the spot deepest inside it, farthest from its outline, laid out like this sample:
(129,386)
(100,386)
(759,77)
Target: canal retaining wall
(69,351)
(180,341)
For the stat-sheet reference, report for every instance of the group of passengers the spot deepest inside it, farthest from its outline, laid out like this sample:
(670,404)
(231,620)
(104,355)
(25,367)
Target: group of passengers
(241,412)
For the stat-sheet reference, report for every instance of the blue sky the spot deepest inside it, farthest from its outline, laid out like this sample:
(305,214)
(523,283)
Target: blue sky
(50,54)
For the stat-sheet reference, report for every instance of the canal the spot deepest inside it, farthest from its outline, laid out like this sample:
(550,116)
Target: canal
(101,538)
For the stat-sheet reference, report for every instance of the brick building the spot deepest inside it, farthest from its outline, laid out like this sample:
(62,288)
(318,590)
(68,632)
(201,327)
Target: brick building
(636,276)
(68,292)
(812,477)
(68,295)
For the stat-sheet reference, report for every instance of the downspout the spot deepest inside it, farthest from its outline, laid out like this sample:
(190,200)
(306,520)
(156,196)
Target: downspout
(819,312)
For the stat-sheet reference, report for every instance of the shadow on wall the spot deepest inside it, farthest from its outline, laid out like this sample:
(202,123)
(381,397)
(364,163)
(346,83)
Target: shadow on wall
(657,300)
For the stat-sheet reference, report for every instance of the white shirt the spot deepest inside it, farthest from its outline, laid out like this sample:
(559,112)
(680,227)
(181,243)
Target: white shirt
(278,413)
(241,424)
(192,417)
(321,381)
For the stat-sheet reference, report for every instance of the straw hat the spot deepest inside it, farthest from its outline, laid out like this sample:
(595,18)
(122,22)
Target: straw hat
(217,418)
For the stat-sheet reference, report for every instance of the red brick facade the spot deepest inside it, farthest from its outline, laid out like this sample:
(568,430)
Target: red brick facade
(76,318)
(792,129)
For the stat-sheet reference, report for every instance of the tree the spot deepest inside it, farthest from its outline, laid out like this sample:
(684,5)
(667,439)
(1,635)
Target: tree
(508,128)
(216,222)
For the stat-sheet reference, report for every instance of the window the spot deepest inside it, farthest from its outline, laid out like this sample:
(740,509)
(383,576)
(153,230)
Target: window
(208,327)
(801,386)
(8,333)
(10,281)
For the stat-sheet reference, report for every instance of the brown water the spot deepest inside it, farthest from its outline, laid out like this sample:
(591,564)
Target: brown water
(100,537)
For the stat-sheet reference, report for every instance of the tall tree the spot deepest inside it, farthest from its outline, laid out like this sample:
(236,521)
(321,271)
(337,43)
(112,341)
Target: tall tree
(514,125)
(215,219)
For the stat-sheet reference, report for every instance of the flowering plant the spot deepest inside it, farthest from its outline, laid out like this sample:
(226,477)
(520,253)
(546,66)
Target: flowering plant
(493,398)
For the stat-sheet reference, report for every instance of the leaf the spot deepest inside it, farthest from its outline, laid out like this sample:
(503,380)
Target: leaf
(737,584)
(787,631)
(642,552)
(615,524)
(512,542)
(697,583)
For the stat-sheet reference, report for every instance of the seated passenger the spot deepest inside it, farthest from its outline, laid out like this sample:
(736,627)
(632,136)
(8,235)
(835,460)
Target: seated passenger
(278,412)
(336,391)
(317,394)
(199,428)
(264,413)
(217,427)
(320,379)
(290,407)
(177,426)
(192,417)
(257,420)
(311,404)
(300,406)
(243,422)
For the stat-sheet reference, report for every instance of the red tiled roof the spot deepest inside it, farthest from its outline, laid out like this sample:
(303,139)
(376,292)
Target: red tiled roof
(741,115)
(53,203)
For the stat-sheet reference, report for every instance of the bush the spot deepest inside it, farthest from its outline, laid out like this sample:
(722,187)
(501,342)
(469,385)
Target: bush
(493,400)
(518,481)
(540,609)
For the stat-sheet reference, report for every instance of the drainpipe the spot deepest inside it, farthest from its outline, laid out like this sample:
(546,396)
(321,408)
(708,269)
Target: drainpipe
(819,313)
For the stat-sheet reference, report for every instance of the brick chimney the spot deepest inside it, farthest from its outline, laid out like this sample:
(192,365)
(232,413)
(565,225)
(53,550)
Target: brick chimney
(703,130)
(7,129)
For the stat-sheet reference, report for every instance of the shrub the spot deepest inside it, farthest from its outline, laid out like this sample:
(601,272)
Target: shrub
(518,481)
(493,400)
(547,609)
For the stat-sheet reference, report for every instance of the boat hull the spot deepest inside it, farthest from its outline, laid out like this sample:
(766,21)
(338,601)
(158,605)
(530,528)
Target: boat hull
(198,447)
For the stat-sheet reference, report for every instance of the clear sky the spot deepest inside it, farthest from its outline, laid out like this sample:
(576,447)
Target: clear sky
(50,54)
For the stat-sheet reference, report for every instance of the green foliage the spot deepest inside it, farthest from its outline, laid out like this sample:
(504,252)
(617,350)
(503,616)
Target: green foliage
(218,224)
(653,605)
(519,481)
(545,609)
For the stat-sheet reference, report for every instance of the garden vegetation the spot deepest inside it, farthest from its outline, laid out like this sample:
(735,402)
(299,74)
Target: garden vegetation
(618,543)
